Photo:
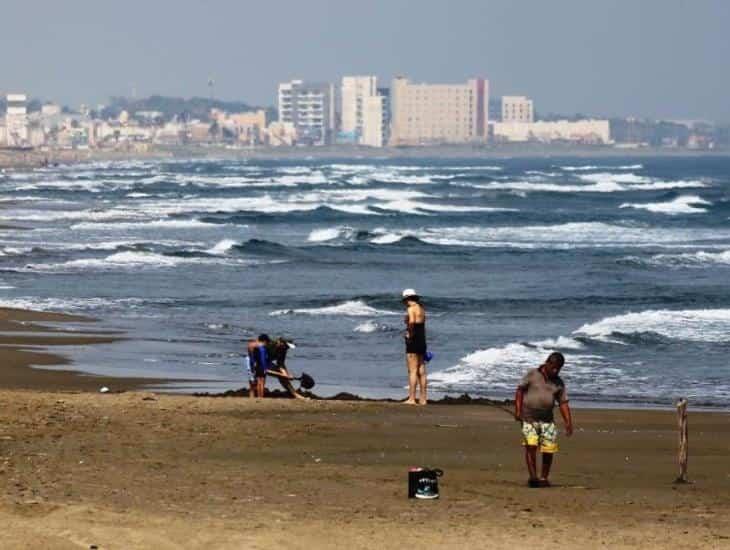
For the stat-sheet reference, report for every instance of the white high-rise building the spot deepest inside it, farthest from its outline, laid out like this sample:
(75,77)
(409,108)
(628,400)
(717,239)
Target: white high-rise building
(16,120)
(517,109)
(355,92)
(310,108)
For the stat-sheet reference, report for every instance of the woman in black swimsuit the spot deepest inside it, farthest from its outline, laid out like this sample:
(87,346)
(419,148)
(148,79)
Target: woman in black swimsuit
(415,346)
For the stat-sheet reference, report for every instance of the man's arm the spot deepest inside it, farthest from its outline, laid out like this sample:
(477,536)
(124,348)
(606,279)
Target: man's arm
(519,395)
(567,418)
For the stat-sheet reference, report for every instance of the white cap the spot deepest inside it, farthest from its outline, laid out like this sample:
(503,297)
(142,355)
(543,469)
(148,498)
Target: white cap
(409,293)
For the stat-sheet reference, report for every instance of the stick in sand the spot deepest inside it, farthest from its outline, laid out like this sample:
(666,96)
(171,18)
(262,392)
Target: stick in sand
(683,440)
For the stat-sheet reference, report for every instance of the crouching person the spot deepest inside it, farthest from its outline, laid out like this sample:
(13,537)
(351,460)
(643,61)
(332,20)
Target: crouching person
(537,393)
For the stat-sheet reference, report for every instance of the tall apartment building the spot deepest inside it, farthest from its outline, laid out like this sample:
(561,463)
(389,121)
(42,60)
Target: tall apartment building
(16,120)
(438,113)
(310,108)
(376,119)
(355,92)
(517,109)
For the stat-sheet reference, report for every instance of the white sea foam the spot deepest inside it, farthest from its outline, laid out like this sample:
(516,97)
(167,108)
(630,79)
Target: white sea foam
(591,168)
(526,186)
(685,204)
(600,185)
(329,234)
(501,367)
(560,236)
(128,260)
(700,325)
(153,224)
(73,215)
(368,327)
(616,178)
(700,258)
(69,304)
(222,247)
(351,308)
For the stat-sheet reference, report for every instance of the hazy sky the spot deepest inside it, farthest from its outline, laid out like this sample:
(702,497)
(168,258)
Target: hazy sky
(658,58)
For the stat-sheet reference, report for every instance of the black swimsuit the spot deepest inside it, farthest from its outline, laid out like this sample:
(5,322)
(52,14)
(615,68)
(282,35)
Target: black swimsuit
(417,344)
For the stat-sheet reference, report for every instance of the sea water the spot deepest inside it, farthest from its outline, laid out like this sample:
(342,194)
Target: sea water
(621,264)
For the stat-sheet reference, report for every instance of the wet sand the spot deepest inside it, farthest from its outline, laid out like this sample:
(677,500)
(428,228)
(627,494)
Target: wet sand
(36,339)
(139,470)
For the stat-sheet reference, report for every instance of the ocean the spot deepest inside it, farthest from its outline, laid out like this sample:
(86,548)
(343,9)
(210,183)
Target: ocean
(622,264)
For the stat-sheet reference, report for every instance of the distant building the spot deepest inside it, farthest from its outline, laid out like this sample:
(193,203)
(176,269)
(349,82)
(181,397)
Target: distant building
(50,109)
(16,121)
(376,119)
(355,92)
(281,134)
(310,108)
(594,132)
(247,127)
(517,109)
(438,113)
(495,110)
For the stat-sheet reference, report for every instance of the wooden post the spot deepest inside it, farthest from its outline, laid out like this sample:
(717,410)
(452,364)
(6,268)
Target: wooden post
(683,440)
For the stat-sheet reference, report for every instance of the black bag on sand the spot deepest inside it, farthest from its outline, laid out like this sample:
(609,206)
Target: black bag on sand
(423,483)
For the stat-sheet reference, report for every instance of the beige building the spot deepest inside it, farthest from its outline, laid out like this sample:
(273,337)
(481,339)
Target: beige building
(579,131)
(517,109)
(281,134)
(425,114)
(248,127)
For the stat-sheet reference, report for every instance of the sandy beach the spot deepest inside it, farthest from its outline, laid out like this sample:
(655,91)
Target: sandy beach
(139,470)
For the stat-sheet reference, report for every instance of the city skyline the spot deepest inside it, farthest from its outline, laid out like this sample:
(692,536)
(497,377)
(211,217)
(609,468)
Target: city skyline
(656,60)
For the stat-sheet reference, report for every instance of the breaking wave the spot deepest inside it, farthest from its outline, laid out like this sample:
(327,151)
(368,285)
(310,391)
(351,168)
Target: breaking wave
(686,204)
(351,308)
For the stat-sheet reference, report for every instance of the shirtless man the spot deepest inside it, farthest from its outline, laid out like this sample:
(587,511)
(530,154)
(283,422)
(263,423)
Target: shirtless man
(415,346)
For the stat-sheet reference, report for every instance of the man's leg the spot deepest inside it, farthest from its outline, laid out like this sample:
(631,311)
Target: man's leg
(531,461)
(530,439)
(252,388)
(260,386)
(548,446)
(412,365)
(422,380)
(547,462)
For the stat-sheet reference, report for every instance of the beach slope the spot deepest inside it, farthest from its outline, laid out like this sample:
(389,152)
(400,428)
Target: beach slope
(137,470)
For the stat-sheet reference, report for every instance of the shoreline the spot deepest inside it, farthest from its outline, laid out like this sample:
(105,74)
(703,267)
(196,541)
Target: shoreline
(22,160)
(29,346)
(31,354)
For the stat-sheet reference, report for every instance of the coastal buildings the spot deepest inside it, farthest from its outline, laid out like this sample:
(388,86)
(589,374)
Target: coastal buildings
(425,114)
(517,109)
(310,108)
(248,127)
(17,132)
(594,132)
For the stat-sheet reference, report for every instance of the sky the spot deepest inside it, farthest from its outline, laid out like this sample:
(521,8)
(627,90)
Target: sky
(644,58)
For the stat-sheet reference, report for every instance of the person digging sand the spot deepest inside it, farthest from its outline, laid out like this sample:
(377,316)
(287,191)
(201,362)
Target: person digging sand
(537,393)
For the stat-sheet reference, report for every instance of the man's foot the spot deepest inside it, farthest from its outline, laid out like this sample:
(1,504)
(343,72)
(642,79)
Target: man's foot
(410,402)
(533,483)
(423,402)
(544,483)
